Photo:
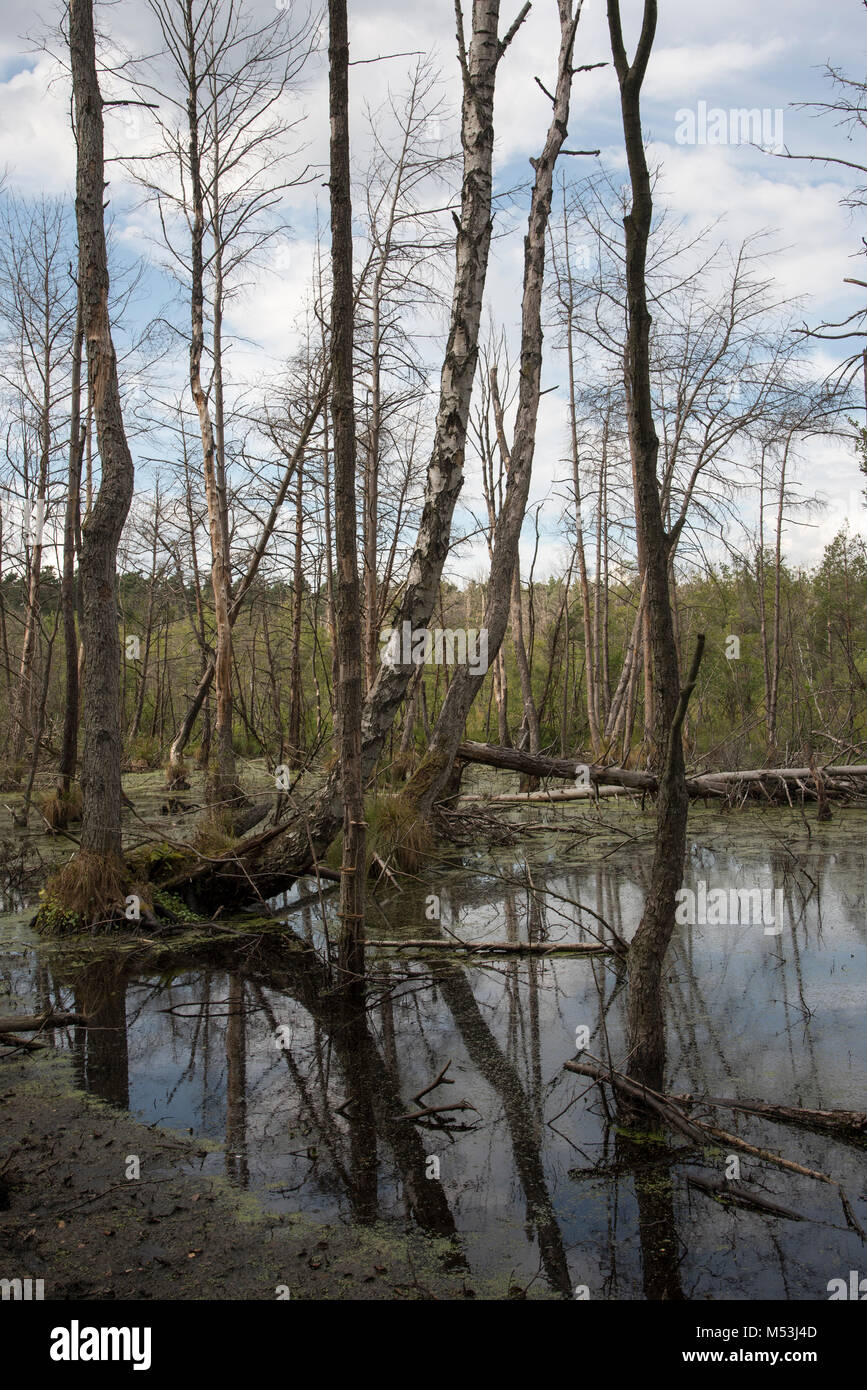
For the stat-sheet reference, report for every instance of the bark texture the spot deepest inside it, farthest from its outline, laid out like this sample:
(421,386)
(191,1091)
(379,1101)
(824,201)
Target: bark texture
(349,669)
(101,764)
(466,682)
(645,1004)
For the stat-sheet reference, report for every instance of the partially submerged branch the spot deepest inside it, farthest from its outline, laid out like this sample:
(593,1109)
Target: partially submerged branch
(668,1108)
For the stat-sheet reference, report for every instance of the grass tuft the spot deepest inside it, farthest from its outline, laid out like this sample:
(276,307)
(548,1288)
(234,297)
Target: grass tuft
(395,834)
(86,894)
(60,810)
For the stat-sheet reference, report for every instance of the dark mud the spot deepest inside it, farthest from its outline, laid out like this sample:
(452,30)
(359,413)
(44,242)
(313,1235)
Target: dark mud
(74,1219)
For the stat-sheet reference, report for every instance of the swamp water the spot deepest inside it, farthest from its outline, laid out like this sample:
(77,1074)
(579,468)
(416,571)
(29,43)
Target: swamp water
(527,1173)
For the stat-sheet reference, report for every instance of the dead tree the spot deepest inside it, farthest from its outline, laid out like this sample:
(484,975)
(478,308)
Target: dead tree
(282,855)
(92,882)
(350,689)
(433,779)
(646,1021)
(217,103)
(71,525)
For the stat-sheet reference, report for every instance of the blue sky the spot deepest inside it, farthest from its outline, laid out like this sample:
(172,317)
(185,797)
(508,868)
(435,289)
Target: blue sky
(741,55)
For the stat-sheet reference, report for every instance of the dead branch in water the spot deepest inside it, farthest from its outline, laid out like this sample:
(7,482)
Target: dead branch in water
(667,1108)
(440,1080)
(428,1110)
(725,1190)
(847,1125)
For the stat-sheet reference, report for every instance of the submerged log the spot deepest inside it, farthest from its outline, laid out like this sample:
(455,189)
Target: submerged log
(848,1125)
(670,1110)
(740,1195)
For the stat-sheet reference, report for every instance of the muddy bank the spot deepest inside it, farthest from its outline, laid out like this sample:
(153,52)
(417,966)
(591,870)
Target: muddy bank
(70,1215)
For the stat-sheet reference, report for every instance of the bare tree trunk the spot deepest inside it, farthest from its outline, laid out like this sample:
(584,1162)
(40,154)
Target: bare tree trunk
(626,681)
(223,785)
(602,572)
(646,1021)
(466,683)
(24,706)
(101,761)
(330,606)
(516,606)
(350,690)
(589,644)
(773,694)
(4,637)
(531,714)
(149,625)
(501,696)
(295,694)
(371,497)
(69,743)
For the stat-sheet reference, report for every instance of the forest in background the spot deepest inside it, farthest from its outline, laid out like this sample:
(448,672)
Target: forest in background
(797,682)
(204,555)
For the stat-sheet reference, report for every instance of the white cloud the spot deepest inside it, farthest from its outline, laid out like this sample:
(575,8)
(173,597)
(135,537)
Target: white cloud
(745,55)
(35,141)
(680,73)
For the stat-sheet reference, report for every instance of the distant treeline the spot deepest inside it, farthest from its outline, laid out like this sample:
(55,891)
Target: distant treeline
(783,673)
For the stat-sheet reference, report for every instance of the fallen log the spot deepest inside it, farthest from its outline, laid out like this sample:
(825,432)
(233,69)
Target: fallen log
(34,1023)
(539,948)
(560,794)
(536,765)
(268,862)
(606,780)
(659,1104)
(29,1045)
(857,772)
